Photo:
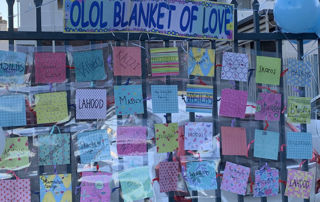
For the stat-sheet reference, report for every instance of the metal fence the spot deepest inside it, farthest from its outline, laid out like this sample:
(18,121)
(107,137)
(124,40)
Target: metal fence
(255,36)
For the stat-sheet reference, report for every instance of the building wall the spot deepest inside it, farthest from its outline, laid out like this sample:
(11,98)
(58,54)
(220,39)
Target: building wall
(3,27)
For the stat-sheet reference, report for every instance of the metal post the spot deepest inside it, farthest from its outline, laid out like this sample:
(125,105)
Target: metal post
(282,131)
(10,21)
(302,93)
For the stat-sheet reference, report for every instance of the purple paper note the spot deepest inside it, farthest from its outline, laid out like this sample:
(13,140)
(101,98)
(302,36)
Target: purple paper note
(235,178)
(91,103)
(233,103)
(299,184)
(268,107)
(131,140)
(95,186)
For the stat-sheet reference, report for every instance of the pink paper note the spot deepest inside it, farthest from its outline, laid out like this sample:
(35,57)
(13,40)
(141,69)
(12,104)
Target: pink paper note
(168,176)
(95,187)
(131,140)
(127,61)
(15,190)
(299,184)
(268,107)
(50,67)
(234,141)
(233,103)
(235,178)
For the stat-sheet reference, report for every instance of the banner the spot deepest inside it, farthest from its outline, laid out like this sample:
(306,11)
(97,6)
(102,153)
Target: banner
(179,18)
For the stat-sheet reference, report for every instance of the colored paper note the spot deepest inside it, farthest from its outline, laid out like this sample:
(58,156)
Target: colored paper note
(89,65)
(93,146)
(235,66)
(166,137)
(15,190)
(199,98)
(299,109)
(235,178)
(12,110)
(136,184)
(51,107)
(50,67)
(131,140)
(128,99)
(233,103)
(168,176)
(268,107)
(55,188)
(12,67)
(164,61)
(201,175)
(201,62)
(16,154)
(54,149)
(266,182)
(234,141)
(266,144)
(91,103)
(299,73)
(164,98)
(299,184)
(95,186)
(127,61)
(198,136)
(268,70)
(299,145)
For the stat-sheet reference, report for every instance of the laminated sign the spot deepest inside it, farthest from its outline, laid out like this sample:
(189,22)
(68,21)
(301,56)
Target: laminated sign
(192,19)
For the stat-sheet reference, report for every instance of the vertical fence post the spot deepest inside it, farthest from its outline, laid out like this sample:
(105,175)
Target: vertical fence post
(10,21)
(192,118)
(302,93)
(282,131)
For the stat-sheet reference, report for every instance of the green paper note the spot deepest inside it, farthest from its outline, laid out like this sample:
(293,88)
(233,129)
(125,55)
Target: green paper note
(268,70)
(51,107)
(16,154)
(166,137)
(135,184)
(299,110)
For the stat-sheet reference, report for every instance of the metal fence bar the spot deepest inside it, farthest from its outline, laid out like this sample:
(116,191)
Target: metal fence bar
(282,131)
(302,93)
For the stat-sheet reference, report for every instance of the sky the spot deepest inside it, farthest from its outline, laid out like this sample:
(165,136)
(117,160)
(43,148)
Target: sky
(4,10)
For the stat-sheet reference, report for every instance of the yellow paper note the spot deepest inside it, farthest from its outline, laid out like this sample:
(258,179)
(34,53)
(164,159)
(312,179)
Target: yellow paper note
(51,107)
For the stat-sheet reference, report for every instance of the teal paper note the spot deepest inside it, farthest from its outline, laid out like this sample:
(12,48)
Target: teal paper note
(54,149)
(12,110)
(135,184)
(89,65)
(12,67)
(266,144)
(299,145)
(201,175)
(128,99)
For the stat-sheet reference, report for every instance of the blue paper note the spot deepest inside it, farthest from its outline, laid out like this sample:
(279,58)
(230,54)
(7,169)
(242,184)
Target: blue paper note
(201,175)
(128,99)
(299,145)
(12,67)
(299,73)
(266,144)
(164,98)
(12,110)
(54,149)
(93,146)
(89,65)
